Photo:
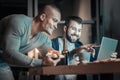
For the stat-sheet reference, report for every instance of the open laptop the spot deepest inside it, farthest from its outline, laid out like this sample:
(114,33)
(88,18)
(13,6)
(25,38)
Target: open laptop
(107,47)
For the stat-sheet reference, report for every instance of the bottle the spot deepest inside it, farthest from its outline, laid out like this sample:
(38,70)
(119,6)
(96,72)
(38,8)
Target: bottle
(65,52)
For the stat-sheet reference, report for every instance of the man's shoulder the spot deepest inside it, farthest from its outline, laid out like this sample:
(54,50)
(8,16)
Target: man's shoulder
(56,39)
(20,17)
(55,42)
(43,35)
(17,18)
(78,43)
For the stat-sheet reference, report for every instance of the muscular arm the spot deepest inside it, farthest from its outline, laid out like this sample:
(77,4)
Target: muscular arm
(12,44)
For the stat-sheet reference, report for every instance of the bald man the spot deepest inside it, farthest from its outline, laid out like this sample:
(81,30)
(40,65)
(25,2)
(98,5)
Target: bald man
(19,34)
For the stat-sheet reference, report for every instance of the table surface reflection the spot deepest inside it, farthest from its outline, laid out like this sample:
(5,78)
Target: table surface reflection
(88,68)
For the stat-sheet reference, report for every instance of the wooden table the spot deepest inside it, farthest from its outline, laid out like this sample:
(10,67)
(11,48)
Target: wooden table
(92,68)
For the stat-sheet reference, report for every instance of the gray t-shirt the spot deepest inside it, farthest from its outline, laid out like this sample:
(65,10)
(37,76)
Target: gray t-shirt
(15,41)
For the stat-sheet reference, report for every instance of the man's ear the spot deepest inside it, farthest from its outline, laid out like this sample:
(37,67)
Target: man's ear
(65,28)
(42,16)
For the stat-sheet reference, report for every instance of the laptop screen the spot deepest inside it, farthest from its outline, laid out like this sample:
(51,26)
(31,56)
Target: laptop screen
(107,47)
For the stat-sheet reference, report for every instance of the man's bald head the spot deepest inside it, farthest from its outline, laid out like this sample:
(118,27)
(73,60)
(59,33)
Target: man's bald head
(47,19)
(48,9)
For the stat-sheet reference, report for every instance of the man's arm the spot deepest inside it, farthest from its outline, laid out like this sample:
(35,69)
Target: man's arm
(83,48)
(11,46)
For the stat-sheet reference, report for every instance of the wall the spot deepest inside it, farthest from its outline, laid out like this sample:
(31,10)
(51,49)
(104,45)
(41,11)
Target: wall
(83,10)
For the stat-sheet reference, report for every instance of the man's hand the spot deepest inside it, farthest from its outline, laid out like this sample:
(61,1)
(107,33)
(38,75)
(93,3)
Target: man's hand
(52,57)
(84,48)
(47,62)
(89,48)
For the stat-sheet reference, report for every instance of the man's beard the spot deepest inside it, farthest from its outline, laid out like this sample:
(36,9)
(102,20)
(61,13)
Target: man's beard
(70,38)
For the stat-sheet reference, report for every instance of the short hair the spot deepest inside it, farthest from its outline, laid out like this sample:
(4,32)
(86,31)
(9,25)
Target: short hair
(75,18)
(43,7)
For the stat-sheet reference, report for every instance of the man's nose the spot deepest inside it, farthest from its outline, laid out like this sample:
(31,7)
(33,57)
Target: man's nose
(76,32)
(55,26)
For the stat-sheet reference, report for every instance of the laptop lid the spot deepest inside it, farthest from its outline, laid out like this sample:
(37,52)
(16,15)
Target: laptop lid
(107,47)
